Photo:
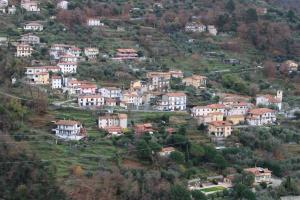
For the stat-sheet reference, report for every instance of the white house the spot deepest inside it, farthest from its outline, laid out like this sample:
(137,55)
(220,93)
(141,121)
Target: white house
(261,116)
(63,5)
(30,5)
(33,26)
(266,100)
(75,51)
(206,110)
(241,108)
(112,122)
(69,130)
(30,38)
(11,10)
(3,41)
(67,57)
(3,3)
(56,82)
(91,53)
(173,101)
(68,67)
(94,22)
(195,27)
(261,175)
(166,151)
(212,30)
(111,92)
(132,98)
(24,50)
(92,100)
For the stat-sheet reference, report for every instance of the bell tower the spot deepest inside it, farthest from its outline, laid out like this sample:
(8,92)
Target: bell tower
(279,95)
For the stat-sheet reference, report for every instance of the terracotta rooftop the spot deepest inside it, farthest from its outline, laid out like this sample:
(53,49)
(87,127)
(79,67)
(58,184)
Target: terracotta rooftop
(90,96)
(271,98)
(261,111)
(175,94)
(167,149)
(258,170)
(67,122)
(220,123)
(126,50)
(216,106)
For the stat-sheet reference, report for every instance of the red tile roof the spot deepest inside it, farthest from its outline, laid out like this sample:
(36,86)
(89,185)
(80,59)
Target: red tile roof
(220,123)
(261,111)
(67,122)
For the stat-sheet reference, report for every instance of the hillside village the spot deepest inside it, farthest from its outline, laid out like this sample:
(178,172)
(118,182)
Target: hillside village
(202,104)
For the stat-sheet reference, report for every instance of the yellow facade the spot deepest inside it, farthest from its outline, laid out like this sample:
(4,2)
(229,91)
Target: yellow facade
(236,119)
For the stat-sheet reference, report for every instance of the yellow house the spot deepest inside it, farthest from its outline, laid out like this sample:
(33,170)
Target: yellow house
(220,129)
(41,78)
(235,119)
(196,81)
(210,117)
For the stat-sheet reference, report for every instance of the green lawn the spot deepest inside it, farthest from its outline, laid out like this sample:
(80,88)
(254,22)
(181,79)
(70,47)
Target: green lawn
(213,189)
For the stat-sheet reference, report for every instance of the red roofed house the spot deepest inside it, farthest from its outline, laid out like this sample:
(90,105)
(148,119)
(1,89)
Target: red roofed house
(81,87)
(68,67)
(262,175)
(196,81)
(139,129)
(33,26)
(205,110)
(210,117)
(267,100)
(110,102)
(166,151)
(126,54)
(69,130)
(88,88)
(92,100)
(56,82)
(132,98)
(261,116)
(220,129)
(112,122)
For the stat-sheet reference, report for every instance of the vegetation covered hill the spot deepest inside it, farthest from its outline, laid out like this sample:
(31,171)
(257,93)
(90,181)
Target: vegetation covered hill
(35,165)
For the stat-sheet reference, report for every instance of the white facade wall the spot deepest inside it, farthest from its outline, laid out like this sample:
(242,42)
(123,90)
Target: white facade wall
(91,101)
(56,83)
(68,68)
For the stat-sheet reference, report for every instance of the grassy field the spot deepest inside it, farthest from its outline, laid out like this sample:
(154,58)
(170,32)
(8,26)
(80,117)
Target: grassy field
(95,152)
(213,189)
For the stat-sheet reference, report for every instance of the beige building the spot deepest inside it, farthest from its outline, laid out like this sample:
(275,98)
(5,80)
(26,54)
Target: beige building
(210,117)
(236,119)
(112,121)
(261,116)
(24,50)
(262,175)
(196,81)
(220,129)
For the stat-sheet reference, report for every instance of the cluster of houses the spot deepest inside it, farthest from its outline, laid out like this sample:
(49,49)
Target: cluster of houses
(198,27)
(214,184)
(5,8)
(233,110)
